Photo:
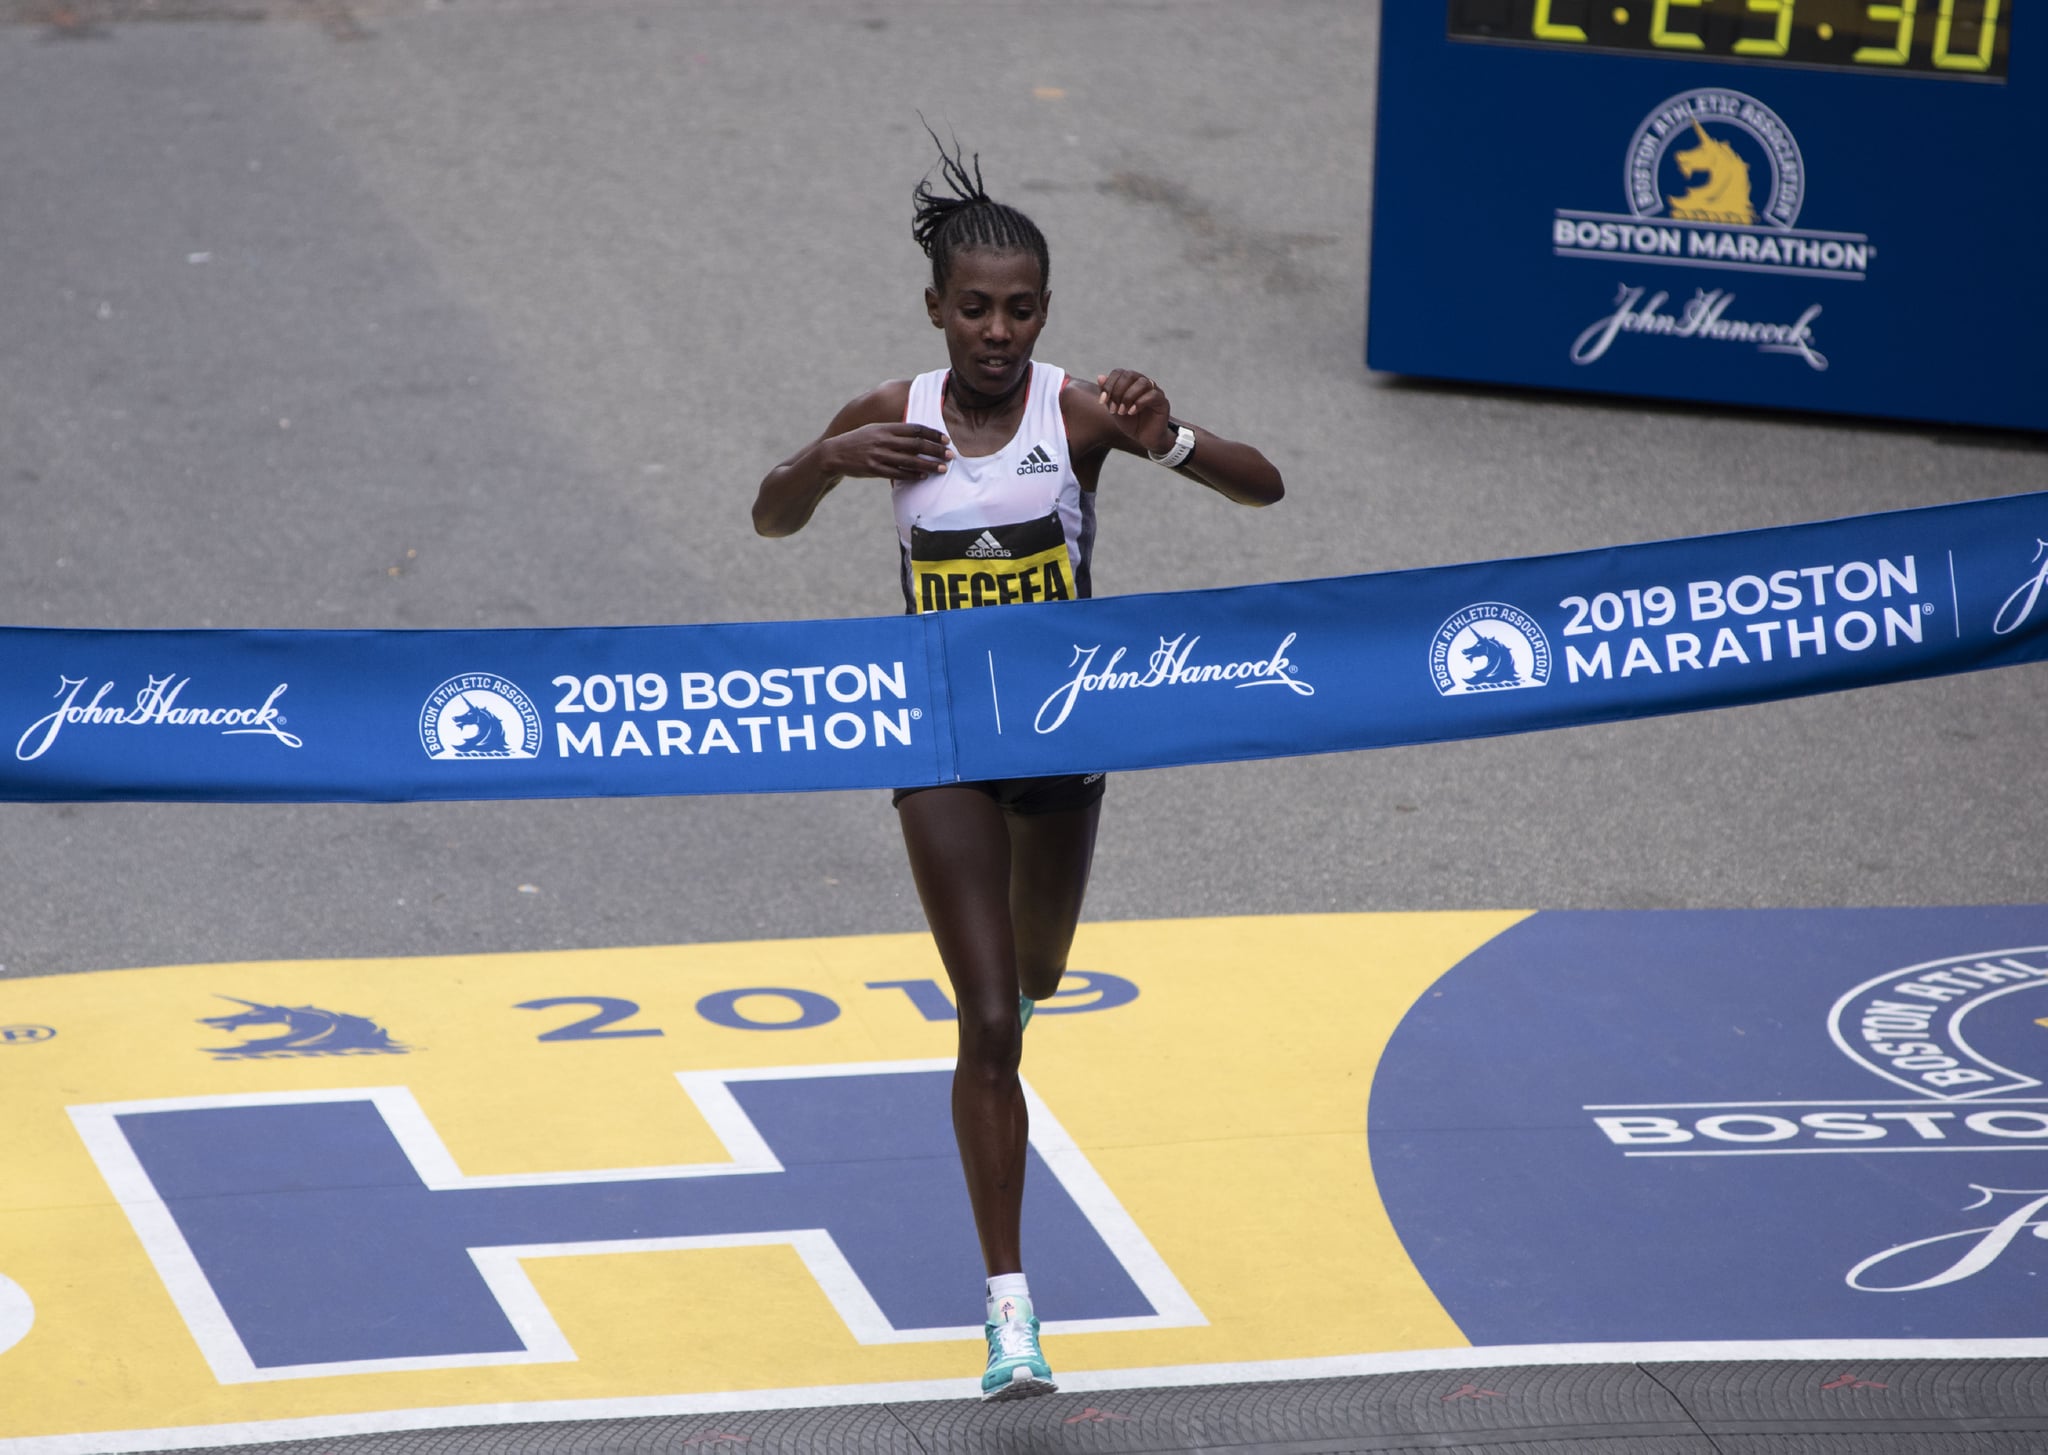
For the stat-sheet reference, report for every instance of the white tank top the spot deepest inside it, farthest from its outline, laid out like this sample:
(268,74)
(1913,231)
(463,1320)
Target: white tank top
(1015,526)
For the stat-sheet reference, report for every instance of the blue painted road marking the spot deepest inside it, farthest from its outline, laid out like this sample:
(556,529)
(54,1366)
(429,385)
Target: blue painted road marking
(1722,1125)
(331,1232)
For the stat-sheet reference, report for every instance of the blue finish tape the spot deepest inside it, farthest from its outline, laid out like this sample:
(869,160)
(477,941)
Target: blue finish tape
(1129,682)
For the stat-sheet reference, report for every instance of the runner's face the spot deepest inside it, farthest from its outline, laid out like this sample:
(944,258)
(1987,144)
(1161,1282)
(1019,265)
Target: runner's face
(992,311)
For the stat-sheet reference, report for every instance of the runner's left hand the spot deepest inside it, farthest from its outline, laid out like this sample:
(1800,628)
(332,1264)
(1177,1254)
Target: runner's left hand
(1138,407)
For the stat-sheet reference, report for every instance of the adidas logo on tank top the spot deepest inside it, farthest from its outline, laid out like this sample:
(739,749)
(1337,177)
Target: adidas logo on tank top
(1039,462)
(987,545)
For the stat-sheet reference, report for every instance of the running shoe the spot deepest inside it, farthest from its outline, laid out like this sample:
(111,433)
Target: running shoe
(1016,1366)
(1025,1005)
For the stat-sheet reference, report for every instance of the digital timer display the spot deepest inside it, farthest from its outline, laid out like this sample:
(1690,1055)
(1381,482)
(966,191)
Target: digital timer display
(1957,39)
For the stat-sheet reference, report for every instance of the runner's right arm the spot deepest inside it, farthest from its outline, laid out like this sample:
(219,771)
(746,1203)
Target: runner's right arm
(867,439)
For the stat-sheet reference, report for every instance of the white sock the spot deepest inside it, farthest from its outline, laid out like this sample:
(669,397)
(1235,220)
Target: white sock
(1003,1291)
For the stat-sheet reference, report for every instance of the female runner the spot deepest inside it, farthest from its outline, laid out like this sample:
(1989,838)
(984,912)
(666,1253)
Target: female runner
(993,465)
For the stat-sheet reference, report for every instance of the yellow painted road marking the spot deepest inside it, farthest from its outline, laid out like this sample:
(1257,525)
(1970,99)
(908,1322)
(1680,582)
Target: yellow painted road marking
(1225,1109)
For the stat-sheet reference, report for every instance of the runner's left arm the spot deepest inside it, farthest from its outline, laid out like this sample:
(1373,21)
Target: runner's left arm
(1134,416)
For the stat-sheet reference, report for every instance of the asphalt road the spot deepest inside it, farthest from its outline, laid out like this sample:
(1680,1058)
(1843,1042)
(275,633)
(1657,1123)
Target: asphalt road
(493,312)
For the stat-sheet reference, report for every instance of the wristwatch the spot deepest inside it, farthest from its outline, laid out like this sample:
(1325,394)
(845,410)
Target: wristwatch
(1176,454)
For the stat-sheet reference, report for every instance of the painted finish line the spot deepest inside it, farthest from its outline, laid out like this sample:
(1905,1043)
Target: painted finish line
(1131,682)
(309,1199)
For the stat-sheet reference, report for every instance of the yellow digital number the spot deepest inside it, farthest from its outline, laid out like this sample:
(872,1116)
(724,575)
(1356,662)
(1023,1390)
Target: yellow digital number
(1987,38)
(1548,29)
(1902,42)
(1677,40)
(1781,40)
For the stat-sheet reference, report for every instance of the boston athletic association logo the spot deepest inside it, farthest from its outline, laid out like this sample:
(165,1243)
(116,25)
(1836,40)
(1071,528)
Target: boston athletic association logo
(1489,647)
(1715,156)
(1961,1036)
(479,715)
(1714,179)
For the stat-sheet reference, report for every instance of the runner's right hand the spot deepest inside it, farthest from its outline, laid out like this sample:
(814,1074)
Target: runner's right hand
(890,452)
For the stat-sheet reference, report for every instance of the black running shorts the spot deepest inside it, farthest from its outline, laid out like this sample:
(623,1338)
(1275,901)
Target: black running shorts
(1029,796)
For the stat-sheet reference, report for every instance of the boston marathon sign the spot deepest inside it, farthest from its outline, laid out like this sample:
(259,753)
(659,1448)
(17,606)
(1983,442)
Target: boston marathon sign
(1074,687)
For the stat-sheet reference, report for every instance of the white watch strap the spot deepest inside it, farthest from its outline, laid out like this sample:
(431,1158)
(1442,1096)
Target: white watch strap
(1183,446)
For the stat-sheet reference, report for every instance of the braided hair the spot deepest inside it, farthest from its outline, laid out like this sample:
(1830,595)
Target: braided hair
(947,225)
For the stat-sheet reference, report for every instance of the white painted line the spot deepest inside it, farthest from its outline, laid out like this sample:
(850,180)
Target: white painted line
(992,697)
(160,1235)
(1176,1310)
(1825,1151)
(17,1313)
(190,1437)
(1919,1101)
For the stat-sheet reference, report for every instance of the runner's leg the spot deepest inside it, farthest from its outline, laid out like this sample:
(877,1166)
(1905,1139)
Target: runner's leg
(960,857)
(1050,855)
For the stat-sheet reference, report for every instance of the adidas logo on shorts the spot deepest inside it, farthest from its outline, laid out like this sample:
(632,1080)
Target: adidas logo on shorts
(987,545)
(1038,462)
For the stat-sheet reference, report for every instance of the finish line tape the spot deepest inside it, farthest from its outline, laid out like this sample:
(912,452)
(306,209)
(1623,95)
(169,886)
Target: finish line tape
(1126,682)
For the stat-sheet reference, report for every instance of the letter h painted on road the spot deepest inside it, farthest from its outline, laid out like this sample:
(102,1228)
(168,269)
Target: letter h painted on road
(331,1232)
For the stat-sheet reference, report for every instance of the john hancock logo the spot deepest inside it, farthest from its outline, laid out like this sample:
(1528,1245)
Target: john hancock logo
(156,705)
(1489,647)
(304,1030)
(479,715)
(2016,608)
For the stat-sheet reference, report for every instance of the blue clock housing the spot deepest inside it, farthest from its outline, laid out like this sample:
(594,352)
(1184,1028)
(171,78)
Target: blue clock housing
(1629,217)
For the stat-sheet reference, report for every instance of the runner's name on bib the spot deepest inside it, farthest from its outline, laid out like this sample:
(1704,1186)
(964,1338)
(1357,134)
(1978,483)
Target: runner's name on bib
(995,565)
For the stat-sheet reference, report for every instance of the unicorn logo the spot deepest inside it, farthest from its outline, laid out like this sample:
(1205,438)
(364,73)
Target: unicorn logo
(1489,646)
(479,715)
(1494,659)
(482,733)
(1746,172)
(308,1031)
(1724,196)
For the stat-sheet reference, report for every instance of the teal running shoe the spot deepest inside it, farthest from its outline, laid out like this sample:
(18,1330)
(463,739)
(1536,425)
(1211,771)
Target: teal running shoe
(1016,1366)
(1025,1005)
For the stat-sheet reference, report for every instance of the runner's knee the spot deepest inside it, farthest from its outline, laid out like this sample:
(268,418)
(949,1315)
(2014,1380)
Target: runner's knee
(991,1040)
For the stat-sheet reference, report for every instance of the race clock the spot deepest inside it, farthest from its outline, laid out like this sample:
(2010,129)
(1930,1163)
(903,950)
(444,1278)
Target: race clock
(1957,39)
(1797,204)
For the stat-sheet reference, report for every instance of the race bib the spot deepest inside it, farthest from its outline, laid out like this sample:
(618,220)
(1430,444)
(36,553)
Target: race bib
(995,565)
